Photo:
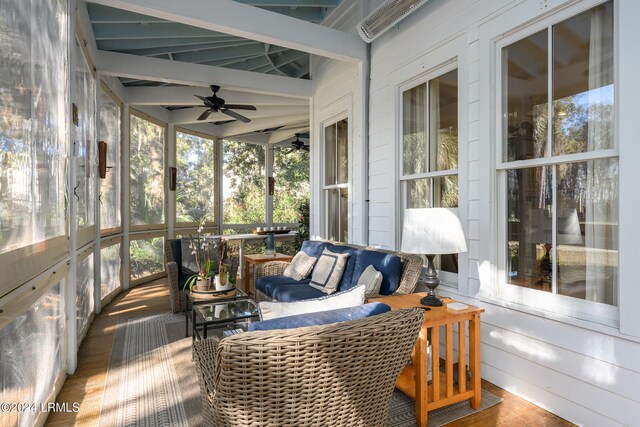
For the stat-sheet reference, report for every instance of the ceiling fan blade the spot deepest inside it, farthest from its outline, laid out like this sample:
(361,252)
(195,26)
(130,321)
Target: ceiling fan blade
(235,115)
(291,151)
(305,148)
(205,100)
(239,107)
(204,115)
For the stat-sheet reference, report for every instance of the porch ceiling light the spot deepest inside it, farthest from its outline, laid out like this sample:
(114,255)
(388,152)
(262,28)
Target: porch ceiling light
(385,16)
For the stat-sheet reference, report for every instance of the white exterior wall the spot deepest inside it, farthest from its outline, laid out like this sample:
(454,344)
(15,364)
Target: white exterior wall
(584,372)
(338,90)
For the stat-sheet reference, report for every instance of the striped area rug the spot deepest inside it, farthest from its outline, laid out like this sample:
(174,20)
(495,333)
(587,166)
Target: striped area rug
(152,381)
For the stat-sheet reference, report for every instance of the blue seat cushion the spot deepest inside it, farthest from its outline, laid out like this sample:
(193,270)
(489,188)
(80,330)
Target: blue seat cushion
(296,292)
(388,264)
(321,318)
(267,284)
(348,280)
(314,248)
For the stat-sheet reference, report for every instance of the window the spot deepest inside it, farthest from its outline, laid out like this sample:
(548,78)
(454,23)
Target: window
(559,163)
(146,171)
(291,171)
(336,180)
(429,176)
(243,184)
(195,195)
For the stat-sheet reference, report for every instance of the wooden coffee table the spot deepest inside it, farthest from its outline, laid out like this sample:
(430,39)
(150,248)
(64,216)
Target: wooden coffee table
(413,378)
(253,261)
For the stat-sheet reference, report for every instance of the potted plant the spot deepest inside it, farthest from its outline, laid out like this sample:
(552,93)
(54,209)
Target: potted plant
(201,249)
(222,281)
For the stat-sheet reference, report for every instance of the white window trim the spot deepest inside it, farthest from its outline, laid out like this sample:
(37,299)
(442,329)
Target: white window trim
(446,57)
(344,115)
(494,288)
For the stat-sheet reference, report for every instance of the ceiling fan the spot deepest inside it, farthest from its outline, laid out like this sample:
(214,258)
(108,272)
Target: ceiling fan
(297,145)
(216,104)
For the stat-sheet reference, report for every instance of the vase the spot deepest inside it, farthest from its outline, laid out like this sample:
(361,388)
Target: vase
(202,284)
(270,244)
(223,283)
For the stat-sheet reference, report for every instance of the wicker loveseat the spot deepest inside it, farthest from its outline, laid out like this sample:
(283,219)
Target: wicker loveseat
(271,285)
(340,374)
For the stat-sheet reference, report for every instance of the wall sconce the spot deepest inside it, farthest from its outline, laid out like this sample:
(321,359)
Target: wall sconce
(272,185)
(173,177)
(102,159)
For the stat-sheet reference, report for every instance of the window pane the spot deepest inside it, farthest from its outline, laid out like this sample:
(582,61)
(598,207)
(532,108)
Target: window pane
(84,142)
(291,172)
(587,232)
(343,151)
(414,143)
(330,136)
(524,104)
(146,172)
(583,107)
(84,292)
(338,214)
(418,193)
(195,159)
(243,184)
(443,122)
(110,269)
(146,257)
(529,217)
(446,191)
(110,117)
(32,356)
(33,120)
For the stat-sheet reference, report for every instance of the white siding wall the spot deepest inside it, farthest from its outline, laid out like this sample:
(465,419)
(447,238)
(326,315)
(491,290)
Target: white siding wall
(337,89)
(586,373)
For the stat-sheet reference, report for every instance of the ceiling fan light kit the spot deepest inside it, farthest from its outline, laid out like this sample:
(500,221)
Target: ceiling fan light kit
(215,104)
(385,16)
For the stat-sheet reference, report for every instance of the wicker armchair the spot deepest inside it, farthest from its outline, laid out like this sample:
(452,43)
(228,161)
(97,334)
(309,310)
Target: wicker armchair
(341,374)
(176,295)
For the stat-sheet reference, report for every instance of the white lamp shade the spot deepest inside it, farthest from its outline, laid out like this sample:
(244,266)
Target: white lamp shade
(569,232)
(432,231)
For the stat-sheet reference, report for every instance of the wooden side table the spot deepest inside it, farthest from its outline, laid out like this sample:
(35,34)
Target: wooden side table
(253,261)
(413,378)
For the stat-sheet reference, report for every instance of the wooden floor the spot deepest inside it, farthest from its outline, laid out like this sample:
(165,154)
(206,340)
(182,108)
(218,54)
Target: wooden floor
(87,385)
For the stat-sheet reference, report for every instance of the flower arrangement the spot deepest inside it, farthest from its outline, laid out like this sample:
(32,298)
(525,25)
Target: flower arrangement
(201,246)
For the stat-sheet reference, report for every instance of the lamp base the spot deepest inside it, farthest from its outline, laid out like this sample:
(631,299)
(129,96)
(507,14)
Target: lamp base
(431,300)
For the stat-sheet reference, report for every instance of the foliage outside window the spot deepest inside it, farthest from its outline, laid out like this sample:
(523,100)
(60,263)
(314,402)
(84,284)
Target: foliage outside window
(243,183)
(33,116)
(146,172)
(430,149)
(195,195)
(561,201)
(110,119)
(291,171)
(336,180)
(146,257)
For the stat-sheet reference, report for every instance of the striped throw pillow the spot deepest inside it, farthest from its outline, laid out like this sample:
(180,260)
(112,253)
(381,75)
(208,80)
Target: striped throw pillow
(371,279)
(300,266)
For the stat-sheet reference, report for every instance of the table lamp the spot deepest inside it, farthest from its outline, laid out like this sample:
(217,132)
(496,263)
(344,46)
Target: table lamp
(431,232)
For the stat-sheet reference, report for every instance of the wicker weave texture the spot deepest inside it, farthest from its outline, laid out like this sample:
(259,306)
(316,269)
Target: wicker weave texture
(176,295)
(342,374)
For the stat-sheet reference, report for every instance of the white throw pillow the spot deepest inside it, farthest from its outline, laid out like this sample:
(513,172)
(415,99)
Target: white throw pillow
(371,279)
(328,271)
(350,298)
(300,266)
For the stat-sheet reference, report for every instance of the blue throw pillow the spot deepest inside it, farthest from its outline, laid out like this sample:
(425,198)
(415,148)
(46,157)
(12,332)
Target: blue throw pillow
(321,318)
(388,264)
(314,248)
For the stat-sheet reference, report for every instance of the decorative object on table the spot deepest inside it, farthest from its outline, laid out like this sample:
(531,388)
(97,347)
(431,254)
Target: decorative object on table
(270,244)
(222,281)
(263,231)
(200,247)
(432,231)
